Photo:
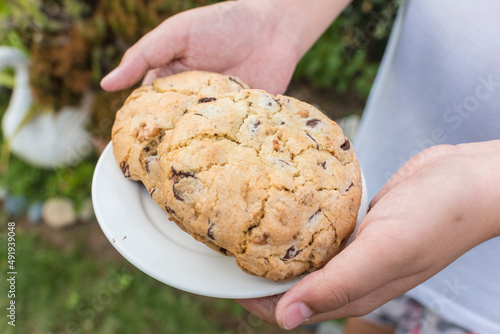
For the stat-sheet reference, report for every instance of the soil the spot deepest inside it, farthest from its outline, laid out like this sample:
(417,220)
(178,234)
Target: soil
(334,105)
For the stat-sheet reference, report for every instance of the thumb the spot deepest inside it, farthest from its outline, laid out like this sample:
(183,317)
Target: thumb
(157,48)
(350,275)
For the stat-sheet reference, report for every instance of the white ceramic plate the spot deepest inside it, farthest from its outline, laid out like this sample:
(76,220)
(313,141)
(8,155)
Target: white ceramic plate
(137,227)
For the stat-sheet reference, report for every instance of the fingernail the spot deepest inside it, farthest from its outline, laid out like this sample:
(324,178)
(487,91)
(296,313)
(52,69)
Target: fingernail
(110,76)
(296,314)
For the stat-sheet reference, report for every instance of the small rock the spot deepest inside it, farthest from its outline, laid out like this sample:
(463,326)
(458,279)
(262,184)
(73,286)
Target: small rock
(59,212)
(86,211)
(35,212)
(15,205)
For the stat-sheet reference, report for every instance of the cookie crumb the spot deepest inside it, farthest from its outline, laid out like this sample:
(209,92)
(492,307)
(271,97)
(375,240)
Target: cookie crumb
(276,145)
(303,113)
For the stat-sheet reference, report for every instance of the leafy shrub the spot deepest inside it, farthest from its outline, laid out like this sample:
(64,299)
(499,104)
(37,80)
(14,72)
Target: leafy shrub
(347,56)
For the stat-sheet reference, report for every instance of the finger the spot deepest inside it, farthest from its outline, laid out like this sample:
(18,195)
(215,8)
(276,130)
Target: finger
(175,66)
(262,307)
(159,47)
(373,300)
(361,268)
(151,75)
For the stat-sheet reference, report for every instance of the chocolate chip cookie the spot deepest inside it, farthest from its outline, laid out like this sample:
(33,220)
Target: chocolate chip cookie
(267,179)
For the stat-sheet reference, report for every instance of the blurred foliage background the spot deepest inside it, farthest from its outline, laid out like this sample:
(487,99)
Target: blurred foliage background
(72,44)
(346,57)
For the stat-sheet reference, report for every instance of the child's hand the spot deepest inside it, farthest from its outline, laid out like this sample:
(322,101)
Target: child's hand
(439,205)
(241,38)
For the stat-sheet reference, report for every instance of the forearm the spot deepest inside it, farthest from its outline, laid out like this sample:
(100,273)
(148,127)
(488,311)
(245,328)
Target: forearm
(301,21)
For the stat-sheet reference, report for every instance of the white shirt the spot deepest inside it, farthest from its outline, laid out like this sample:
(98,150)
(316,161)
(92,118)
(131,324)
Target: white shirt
(439,83)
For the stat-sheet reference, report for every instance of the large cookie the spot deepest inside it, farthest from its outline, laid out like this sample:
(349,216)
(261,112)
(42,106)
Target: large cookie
(267,179)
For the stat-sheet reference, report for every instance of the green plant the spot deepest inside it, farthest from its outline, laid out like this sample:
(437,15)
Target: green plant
(346,57)
(72,292)
(20,178)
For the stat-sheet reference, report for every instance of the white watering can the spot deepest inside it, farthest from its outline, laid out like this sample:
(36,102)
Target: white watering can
(48,139)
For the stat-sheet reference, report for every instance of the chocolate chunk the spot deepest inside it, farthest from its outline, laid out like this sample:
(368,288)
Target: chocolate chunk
(176,177)
(146,148)
(350,186)
(210,232)
(346,145)
(177,194)
(169,210)
(254,127)
(124,167)
(313,122)
(291,253)
(314,140)
(282,123)
(314,215)
(269,103)
(206,99)
(323,164)
(236,81)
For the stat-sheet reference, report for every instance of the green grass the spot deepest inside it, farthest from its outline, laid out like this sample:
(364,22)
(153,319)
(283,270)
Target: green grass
(74,291)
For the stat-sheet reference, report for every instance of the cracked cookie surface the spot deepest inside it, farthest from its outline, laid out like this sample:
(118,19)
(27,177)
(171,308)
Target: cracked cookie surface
(152,111)
(267,179)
